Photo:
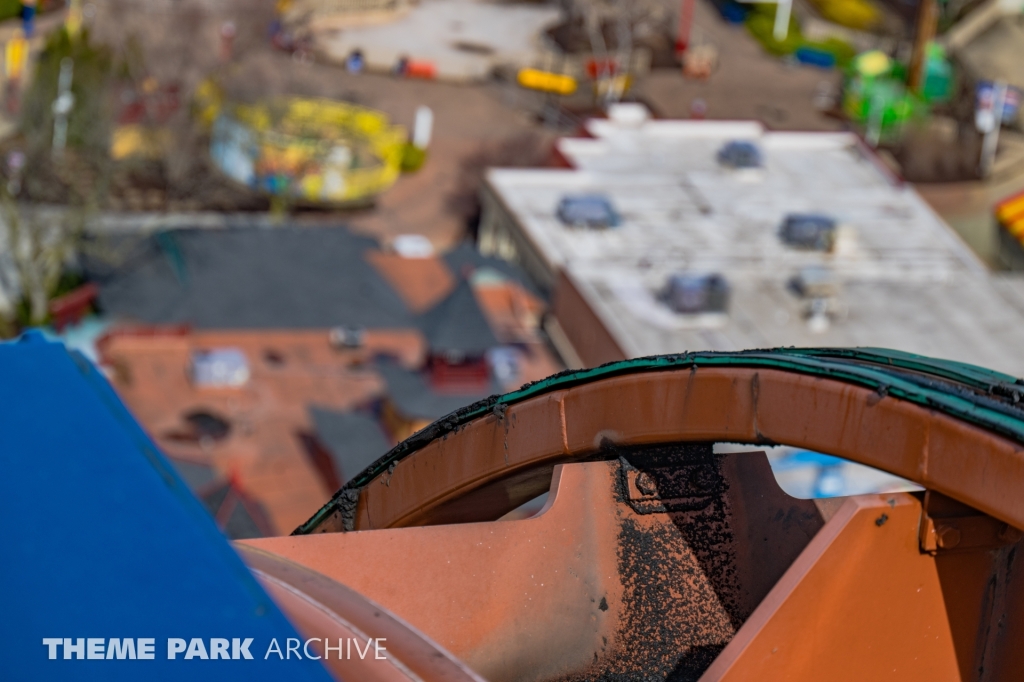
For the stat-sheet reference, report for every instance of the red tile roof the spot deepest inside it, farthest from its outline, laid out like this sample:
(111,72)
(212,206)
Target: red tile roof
(421,282)
(289,370)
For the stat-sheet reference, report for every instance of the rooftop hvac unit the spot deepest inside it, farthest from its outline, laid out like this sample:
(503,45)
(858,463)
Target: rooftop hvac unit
(691,294)
(740,154)
(594,211)
(218,368)
(808,231)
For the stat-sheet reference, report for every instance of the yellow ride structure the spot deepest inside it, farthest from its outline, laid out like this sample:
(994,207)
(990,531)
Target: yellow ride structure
(309,150)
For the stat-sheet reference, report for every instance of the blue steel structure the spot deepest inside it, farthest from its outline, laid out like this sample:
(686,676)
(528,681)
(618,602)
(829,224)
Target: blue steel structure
(102,539)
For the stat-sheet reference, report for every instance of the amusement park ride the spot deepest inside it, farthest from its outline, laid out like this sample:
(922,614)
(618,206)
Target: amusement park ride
(654,557)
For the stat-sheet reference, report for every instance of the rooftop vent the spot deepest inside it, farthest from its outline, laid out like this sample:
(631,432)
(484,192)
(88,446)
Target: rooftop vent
(594,211)
(207,425)
(202,427)
(273,357)
(815,282)
(412,246)
(810,232)
(691,294)
(820,289)
(740,154)
(221,367)
(347,337)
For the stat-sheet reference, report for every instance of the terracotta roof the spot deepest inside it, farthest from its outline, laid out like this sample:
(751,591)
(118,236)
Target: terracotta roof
(265,451)
(421,282)
(270,451)
(513,312)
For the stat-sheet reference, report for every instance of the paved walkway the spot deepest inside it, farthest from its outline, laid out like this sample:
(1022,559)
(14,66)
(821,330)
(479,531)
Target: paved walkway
(465,39)
(968,208)
(748,83)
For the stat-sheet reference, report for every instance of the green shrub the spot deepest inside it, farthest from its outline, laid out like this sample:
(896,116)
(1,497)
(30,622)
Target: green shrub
(10,9)
(413,158)
(761,24)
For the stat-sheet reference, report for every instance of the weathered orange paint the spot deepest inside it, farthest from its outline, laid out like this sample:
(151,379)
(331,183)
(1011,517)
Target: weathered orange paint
(874,594)
(327,611)
(552,596)
(518,596)
(860,603)
(725,405)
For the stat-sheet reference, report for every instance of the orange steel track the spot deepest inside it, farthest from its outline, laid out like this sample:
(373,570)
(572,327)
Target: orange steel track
(656,559)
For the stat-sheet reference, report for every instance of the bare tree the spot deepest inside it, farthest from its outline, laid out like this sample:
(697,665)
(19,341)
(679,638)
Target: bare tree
(40,243)
(176,45)
(56,189)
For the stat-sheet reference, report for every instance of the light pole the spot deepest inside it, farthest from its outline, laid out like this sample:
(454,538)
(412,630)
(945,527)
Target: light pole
(783,9)
(62,106)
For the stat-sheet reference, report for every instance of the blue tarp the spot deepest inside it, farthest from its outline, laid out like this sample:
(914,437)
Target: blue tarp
(102,539)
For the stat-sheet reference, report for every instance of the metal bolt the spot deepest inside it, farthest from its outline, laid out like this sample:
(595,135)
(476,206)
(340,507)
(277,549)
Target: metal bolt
(701,480)
(645,484)
(947,537)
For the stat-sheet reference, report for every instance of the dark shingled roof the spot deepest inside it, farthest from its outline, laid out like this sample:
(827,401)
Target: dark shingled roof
(196,475)
(414,398)
(457,324)
(271,278)
(465,257)
(244,518)
(354,440)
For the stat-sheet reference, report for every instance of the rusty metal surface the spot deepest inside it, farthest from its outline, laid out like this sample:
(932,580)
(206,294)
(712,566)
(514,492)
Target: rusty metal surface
(703,540)
(592,588)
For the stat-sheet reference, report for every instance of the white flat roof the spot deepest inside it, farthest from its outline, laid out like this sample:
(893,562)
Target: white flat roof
(906,280)
(966,318)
